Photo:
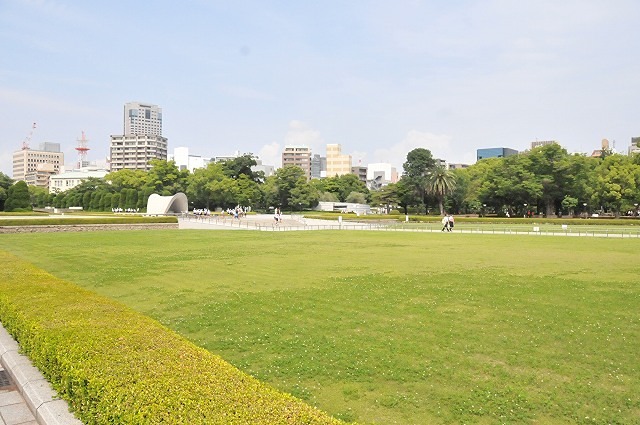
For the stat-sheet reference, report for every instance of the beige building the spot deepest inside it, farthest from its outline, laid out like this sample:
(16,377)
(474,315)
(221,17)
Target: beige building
(337,163)
(298,155)
(135,152)
(35,166)
(141,140)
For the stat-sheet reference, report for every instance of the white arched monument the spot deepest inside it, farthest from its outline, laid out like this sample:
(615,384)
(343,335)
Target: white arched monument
(160,205)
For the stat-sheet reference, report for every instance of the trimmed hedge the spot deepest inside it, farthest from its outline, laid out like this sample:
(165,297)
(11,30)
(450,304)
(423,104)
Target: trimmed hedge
(59,221)
(116,366)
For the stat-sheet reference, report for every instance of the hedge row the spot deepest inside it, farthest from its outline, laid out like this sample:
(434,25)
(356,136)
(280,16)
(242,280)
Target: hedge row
(116,366)
(61,221)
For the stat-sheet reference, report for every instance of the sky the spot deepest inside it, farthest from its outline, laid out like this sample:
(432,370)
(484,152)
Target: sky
(378,77)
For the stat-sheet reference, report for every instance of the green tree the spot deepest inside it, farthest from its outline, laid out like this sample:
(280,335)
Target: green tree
(38,196)
(569,204)
(18,197)
(304,195)
(241,166)
(127,179)
(328,197)
(286,179)
(5,184)
(550,164)
(385,196)
(356,198)
(165,178)
(616,185)
(440,183)
(416,168)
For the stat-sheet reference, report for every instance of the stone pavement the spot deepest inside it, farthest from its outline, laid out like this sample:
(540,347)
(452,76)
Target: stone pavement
(26,398)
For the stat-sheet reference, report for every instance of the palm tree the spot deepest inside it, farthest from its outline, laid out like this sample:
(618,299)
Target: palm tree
(440,183)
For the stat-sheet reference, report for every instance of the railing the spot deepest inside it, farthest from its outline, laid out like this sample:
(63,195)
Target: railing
(307,225)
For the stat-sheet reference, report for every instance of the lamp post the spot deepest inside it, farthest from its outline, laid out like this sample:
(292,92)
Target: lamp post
(484,208)
(636,211)
(525,210)
(585,210)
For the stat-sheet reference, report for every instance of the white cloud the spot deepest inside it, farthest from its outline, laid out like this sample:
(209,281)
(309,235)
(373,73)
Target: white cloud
(271,154)
(439,145)
(300,133)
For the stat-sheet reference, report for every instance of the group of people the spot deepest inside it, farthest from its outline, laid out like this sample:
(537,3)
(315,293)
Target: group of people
(277,216)
(447,223)
(201,211)
(236,212)
(127,210)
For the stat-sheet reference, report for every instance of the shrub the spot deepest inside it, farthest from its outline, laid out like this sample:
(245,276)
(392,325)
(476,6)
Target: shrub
(60,221)
(114,365)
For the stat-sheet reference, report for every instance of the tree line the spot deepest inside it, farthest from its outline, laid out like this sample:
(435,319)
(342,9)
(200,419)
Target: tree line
(546,180)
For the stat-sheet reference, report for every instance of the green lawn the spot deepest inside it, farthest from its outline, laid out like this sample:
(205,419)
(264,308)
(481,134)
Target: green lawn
(388,327)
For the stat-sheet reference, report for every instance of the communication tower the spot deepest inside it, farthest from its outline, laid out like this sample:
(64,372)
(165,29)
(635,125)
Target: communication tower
(82,150)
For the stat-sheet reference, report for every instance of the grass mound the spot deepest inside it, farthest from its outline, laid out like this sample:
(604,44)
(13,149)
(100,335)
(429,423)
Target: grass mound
(114,365)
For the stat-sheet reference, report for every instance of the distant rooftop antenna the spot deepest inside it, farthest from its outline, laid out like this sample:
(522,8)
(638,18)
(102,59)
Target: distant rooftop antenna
(82,150)
(27,140)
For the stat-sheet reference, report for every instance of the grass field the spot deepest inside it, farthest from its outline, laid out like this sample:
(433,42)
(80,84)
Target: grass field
(385,327)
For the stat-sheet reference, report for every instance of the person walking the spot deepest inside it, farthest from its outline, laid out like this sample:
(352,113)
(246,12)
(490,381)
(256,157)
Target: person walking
(445,223)
(451,222)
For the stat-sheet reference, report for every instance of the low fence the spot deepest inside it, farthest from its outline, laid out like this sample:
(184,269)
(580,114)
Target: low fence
(309,225)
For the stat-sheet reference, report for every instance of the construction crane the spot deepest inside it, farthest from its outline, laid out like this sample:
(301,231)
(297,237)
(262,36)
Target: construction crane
(27,140)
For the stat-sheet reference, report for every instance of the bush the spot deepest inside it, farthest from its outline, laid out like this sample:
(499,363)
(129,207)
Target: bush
(114,365)
(60,221)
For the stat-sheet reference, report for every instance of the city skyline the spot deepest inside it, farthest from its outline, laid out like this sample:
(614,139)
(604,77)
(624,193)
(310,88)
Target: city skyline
(379,79)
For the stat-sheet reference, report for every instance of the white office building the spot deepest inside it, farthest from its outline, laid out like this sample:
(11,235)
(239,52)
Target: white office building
(68,180)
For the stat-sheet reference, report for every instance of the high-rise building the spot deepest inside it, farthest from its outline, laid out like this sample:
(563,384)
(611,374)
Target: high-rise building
(142,140)
(298,155)
(337,163)
(35,166)
(140,118)
(495,153)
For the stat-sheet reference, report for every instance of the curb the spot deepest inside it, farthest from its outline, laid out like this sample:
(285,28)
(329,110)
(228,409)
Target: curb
(41,399)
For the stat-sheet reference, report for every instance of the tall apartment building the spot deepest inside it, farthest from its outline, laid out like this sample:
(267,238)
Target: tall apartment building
(337,163)
(140,118)
(318,167)
(35,166)
(141,140)
(298,155)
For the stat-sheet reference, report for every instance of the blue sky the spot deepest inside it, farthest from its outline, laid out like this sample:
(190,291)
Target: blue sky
(378,77)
